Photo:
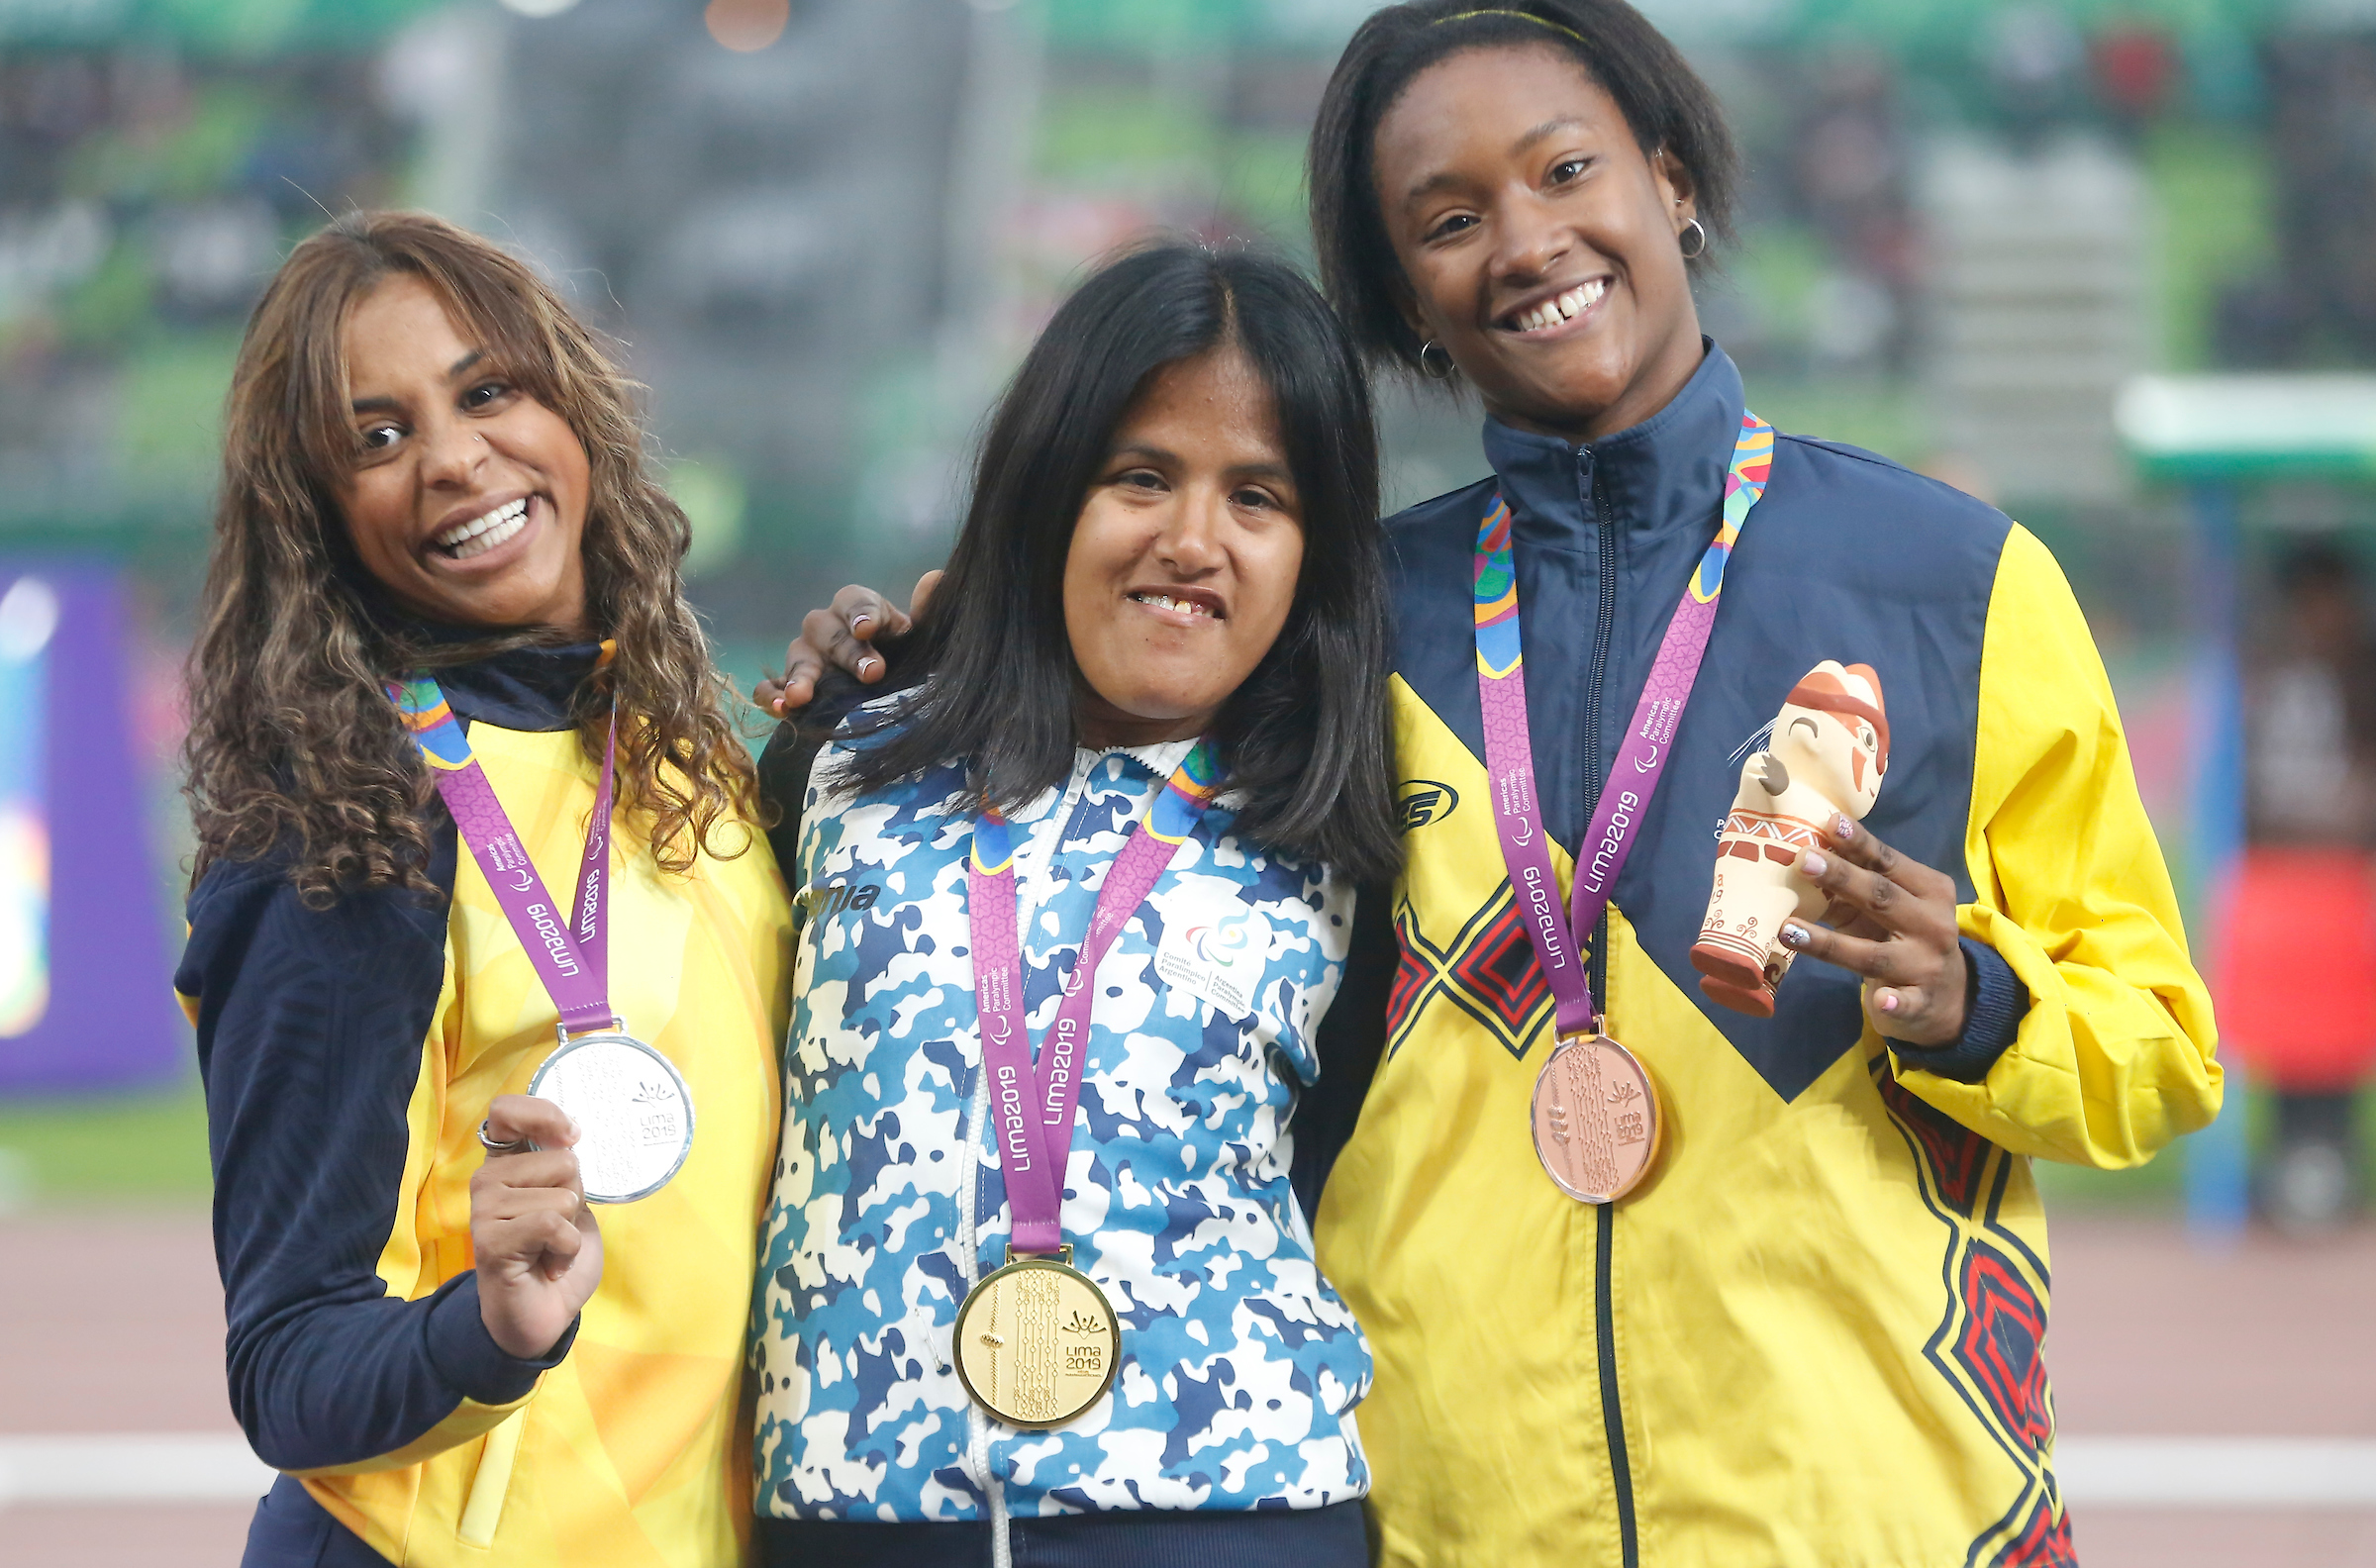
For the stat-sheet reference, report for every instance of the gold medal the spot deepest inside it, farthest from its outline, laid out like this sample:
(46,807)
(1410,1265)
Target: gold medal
(1036,1341)
(1596,1120)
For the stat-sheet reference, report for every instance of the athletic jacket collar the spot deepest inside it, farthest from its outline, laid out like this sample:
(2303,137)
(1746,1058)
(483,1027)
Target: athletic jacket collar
(527,688)
(1666,472)
(522,687)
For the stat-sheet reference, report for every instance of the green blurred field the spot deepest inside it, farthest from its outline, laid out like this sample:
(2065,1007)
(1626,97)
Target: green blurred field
(145,1148)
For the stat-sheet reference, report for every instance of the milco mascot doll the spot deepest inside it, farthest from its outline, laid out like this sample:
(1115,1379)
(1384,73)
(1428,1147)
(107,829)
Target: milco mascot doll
(1824,758)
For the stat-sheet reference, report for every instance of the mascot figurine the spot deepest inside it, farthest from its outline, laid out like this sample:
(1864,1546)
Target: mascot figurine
(1824,758)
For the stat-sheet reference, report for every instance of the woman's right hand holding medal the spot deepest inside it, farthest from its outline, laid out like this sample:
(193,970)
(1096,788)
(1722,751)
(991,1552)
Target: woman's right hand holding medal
(538,1250)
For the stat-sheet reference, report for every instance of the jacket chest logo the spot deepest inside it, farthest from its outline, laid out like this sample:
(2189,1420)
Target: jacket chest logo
(839,897)
(1420,802)
(1217,950)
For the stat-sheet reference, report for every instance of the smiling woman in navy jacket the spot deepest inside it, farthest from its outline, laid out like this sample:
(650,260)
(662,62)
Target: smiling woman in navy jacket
(430,465)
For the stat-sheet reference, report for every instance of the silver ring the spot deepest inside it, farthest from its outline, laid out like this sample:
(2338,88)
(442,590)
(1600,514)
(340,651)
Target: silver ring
(495,1146)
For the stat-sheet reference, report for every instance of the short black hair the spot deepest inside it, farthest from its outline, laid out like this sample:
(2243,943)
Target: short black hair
(1662,98)
(1306,739)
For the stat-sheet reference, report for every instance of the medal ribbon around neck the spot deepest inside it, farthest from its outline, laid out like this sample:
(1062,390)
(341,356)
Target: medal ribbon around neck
(1032,1106)
(571,954)
(1641,757)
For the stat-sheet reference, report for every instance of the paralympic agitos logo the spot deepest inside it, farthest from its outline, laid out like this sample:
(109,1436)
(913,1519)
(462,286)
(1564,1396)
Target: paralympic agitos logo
(1419,802)
(1222,943)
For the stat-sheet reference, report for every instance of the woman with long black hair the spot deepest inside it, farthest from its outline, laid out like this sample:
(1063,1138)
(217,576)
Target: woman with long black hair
(1765,1282)
(1073,903)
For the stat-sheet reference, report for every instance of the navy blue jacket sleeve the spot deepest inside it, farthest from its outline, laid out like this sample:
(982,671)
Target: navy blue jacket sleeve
(1350,1039)
(311,1031)
(1992,1019)
(784,768)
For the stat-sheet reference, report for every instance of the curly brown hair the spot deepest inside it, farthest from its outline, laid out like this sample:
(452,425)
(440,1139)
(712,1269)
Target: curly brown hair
(293,743)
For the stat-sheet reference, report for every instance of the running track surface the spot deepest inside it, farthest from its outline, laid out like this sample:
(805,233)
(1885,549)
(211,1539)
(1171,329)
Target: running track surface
(113,1323)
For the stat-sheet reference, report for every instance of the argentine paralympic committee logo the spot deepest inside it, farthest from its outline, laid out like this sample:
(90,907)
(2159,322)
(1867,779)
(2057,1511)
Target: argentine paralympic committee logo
(1220,957)
(1224,941)
(1419,802)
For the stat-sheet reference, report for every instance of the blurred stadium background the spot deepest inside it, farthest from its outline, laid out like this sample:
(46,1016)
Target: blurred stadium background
(2020,246)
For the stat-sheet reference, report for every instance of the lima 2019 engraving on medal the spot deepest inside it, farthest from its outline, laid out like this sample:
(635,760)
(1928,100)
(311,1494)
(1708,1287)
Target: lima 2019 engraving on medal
(634,1113)
(1597,1120)
(1037,1342)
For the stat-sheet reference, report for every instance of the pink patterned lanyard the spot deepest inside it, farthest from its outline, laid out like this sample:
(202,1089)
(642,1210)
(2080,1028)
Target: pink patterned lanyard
(1641,759)
(1033,1148)
(571,957)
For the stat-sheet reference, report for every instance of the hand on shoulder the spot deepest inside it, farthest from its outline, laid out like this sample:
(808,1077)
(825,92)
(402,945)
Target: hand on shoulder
(841,637)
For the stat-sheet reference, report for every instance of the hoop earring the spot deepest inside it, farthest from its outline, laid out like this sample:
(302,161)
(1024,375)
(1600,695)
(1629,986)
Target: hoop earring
(1694,226)
(1425,366)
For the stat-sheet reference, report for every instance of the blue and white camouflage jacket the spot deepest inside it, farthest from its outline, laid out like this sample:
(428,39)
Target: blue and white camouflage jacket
(1239,1366)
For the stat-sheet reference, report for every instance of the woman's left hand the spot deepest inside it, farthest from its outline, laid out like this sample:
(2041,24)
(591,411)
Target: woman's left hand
(1899,934)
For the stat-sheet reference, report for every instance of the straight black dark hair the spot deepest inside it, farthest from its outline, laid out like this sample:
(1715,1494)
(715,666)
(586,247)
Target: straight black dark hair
(1662,98)
(1306,739)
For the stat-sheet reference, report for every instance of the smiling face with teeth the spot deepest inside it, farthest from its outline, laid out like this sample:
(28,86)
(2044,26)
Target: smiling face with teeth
(1537,239)
(467,498)
(1184,562)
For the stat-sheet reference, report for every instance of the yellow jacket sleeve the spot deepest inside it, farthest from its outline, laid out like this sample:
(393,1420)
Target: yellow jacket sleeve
(2115,1057)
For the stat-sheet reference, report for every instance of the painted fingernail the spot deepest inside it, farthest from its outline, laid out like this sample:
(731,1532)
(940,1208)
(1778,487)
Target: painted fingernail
(860,621)
(866,665)
(1847,830)
(1814,864)
(1887,1002)
(1794,936)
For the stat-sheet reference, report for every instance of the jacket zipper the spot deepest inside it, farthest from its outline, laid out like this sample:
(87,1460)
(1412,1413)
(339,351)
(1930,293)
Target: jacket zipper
(1613,1415)
(978,1118)
(977,1427)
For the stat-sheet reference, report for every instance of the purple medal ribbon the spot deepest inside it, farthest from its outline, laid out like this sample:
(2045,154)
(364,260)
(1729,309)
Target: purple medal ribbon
(571,957)
(1033,1146)
(1641,759)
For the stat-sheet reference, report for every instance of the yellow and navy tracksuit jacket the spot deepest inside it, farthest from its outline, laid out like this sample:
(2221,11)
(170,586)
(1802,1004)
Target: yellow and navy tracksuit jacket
(348,1055)
(1811,1339)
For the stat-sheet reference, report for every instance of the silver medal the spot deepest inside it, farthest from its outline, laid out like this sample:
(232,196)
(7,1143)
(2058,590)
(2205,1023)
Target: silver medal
(634,1113)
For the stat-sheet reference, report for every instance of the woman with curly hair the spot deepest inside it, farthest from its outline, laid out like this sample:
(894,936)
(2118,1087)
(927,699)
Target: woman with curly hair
(441,574)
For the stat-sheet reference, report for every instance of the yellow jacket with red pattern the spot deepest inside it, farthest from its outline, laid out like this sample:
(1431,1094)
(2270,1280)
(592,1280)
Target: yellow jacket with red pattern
(1811,1339)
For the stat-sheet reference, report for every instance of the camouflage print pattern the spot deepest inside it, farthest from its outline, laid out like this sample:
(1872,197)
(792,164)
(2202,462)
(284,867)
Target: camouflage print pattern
(1239,1364)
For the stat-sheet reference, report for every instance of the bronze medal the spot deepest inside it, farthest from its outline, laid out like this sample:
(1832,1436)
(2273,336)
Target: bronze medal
(1036,1341)
(1597,1121)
